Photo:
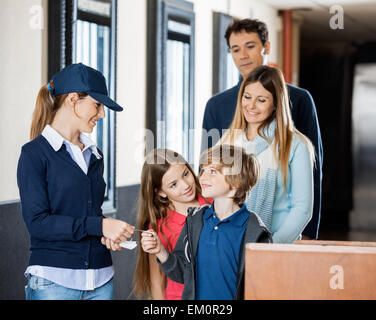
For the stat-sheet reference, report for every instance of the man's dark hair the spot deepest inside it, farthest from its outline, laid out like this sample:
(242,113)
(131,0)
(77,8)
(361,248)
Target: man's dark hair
(247,25)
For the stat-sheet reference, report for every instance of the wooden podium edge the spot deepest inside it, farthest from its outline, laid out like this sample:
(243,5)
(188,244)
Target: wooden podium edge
(313,247)
(337,243)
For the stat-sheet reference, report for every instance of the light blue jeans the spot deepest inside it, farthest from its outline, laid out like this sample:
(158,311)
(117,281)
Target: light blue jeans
(42,289)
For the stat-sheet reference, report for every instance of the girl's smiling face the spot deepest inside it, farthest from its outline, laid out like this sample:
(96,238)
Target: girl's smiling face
(178,184)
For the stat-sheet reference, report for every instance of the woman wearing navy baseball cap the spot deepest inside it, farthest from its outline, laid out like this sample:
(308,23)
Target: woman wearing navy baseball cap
(60,179)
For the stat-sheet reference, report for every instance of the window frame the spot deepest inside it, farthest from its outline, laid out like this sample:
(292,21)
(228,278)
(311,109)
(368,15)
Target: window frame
(220,51)
(62,15)
(159,12)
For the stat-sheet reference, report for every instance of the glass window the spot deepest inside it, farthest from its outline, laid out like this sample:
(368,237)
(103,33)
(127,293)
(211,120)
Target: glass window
(93,49)
(102,8)
(93,46)
(177,89)
(170,84)
(93,37)
(225,73)
(85,31)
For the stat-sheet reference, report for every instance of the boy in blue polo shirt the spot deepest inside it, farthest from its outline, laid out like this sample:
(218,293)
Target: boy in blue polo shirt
(209,255)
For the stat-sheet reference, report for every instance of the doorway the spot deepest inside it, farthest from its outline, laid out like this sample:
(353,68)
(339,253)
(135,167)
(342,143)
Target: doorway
(338,67)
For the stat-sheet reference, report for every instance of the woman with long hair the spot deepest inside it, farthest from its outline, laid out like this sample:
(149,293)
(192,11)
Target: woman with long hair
(168,188)
(60,179)
(262,124)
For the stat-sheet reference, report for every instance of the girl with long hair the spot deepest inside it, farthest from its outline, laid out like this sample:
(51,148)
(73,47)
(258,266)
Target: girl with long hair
(168,188)
(262,124)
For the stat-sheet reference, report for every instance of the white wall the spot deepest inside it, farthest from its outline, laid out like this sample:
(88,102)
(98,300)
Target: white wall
(23,66)
(203,61)
(131,90)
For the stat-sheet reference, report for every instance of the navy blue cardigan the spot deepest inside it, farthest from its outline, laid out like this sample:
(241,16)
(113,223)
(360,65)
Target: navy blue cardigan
(220,110)
(61,207)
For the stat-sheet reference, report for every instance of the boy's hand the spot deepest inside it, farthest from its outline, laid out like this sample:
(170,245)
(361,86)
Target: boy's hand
(151,243)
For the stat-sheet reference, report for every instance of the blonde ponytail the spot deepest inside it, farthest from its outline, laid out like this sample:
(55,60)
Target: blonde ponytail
(43,113)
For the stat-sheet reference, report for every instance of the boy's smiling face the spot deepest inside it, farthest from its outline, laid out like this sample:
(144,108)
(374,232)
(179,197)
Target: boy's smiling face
(213,183)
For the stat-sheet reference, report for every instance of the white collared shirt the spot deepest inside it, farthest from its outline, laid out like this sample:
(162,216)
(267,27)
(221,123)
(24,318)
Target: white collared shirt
(56,141)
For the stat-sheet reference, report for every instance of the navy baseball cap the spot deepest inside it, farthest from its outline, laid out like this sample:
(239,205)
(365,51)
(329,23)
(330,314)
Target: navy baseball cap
(78,77)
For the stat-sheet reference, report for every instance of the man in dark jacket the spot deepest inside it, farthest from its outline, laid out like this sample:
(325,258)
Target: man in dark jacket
(248,43)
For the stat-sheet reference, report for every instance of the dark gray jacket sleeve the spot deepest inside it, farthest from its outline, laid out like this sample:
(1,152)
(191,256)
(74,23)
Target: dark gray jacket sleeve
(265,237)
